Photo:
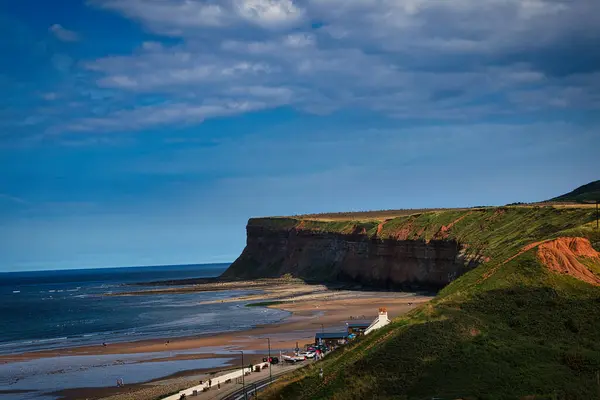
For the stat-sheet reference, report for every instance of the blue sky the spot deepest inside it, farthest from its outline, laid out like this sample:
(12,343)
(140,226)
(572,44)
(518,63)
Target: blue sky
(138,132)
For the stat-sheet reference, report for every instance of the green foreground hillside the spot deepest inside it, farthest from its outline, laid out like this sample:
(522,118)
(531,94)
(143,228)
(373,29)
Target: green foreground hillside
(509,329)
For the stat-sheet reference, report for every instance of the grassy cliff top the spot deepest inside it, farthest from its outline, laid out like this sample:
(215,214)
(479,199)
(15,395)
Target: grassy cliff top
(490,231)
(512,328)
(379,215)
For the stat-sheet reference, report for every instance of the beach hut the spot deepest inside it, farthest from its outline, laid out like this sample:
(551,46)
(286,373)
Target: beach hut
(331,338)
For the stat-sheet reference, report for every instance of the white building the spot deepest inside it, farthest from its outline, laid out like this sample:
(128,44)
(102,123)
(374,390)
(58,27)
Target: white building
(379,322)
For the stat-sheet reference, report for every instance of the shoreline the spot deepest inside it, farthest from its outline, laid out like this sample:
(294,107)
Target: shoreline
(311,308)
(303,301)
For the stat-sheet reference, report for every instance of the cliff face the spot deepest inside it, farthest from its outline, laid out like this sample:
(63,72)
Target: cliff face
(428,249)
(351,253)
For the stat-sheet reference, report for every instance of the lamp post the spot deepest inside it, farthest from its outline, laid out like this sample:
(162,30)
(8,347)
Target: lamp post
(270,372)
(243,376)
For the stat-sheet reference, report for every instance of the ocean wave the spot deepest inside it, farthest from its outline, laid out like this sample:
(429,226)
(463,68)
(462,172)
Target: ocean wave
(37,341)
(82,335)
(191,321)
(153,319)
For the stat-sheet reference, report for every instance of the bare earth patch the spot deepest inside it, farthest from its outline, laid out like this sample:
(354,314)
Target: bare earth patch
(563,256)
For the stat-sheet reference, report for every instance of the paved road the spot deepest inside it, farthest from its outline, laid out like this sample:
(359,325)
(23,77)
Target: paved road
(234,390)
(250,389)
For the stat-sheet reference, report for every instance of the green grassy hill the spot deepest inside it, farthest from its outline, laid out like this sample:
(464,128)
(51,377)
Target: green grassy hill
(510,329)
(589,193)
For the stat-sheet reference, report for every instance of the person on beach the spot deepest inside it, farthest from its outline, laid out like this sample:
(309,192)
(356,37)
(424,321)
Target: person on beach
(210,383)
(219,385)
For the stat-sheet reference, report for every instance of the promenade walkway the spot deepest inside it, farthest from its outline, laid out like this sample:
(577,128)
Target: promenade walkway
(228,388)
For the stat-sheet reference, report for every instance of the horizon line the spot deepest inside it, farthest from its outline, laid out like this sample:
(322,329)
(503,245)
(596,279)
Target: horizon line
(113,267)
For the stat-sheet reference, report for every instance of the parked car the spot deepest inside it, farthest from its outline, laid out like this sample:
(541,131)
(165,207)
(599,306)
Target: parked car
(306,354)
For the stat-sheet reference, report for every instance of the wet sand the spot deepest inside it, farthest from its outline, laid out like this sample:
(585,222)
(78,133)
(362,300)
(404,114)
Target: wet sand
(312,308)
(309,307)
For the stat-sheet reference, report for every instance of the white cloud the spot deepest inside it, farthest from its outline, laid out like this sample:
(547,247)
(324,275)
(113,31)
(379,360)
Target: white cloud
(269,13)
(173,17)
(150,116)
(412,59)
(172,69)
(63,34)
(165,15)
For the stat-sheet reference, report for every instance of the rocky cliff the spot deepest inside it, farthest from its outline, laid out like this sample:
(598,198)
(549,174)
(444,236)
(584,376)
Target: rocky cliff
(423,249)
(390,253)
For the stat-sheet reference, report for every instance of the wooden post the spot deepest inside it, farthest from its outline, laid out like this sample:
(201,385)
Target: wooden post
(270,373)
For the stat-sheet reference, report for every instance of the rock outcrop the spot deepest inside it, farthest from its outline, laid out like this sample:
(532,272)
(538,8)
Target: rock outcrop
(357,254)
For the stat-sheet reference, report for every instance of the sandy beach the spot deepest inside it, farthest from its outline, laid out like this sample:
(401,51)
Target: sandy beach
(311,307)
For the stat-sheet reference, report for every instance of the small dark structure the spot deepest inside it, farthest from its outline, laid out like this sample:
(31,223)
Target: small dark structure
(358,327)
(331,338)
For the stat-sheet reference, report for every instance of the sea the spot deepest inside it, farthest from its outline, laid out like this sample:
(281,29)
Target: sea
(47,310)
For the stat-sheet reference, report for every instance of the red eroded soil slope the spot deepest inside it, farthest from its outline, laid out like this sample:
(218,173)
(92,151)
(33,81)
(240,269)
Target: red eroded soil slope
(563,256)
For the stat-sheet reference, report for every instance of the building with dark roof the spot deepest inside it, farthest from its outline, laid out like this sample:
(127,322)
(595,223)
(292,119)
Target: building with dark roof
(357,327)
(331,338)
